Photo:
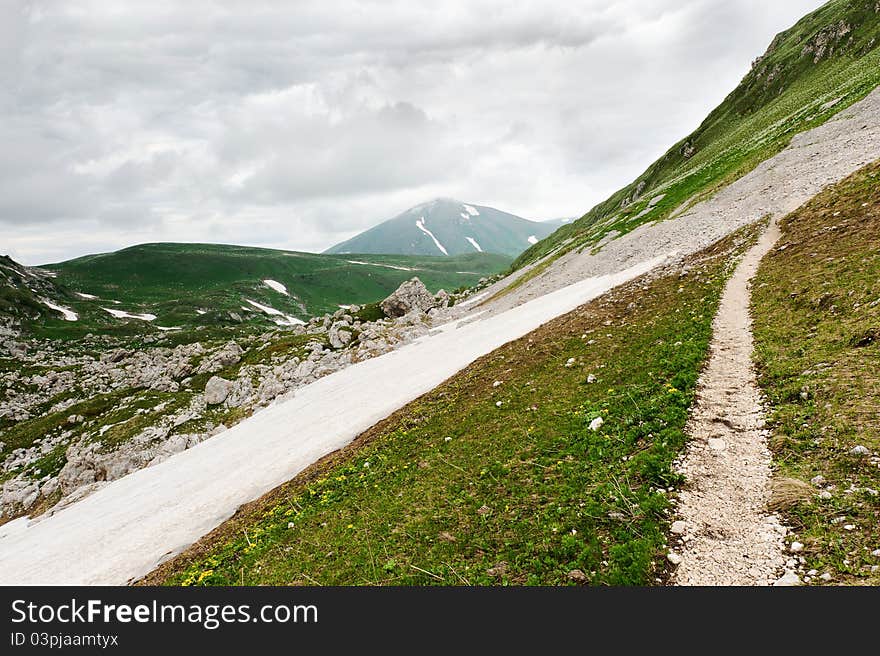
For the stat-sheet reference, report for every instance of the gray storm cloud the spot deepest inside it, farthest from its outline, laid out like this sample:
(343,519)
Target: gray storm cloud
(295,125)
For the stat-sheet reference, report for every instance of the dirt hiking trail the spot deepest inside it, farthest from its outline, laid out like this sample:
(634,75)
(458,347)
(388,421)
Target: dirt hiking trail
(725,535)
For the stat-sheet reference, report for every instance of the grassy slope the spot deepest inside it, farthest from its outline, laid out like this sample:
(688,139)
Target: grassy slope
(817,331)
(453,489)
(173,280)
(785,93)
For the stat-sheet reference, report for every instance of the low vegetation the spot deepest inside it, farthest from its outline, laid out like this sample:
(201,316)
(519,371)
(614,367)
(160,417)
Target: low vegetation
(817,331)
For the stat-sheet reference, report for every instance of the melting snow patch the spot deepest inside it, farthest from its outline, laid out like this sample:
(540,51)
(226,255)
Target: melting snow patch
(532,239)
(201,312)
(466,217)
(474,244)
(387,266)
(69,315)
(168,328)
(282,319)
(470,210)
(119,314)
(420,224)
(88,297)
(277,286)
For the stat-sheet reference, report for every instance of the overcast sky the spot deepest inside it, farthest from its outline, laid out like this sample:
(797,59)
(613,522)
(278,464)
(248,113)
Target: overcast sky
(297,124)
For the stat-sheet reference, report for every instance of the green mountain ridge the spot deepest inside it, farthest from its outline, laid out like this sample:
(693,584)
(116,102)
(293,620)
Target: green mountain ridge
(186,285)
(824,63)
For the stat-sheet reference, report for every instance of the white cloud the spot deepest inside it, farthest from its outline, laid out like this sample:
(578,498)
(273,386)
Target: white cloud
(296,125)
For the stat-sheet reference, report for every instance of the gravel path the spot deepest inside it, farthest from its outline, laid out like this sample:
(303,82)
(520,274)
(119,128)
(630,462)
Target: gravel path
(813,160)
(726,535)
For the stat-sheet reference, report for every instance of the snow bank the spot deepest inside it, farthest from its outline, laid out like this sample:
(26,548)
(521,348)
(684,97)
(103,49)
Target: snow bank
(120,314)
(69,315)
(132,524)
(387,266)
(277,286)
(281,318)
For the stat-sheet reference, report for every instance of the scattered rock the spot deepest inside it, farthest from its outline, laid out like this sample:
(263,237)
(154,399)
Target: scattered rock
(577,576)
(787,580)
(859,451)
(674,558)
(678,528)
(498,570)
(796,547)
(217,390)
(596,424)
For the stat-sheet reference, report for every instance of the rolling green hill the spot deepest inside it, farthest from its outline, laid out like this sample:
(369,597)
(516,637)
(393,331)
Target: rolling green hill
(207,284)
(827,61)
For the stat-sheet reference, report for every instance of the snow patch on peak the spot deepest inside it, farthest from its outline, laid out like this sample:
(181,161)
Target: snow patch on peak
(474,244)
(420,224)
(471,210)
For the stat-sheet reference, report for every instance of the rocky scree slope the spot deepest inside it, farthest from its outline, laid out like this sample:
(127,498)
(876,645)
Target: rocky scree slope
(72,419)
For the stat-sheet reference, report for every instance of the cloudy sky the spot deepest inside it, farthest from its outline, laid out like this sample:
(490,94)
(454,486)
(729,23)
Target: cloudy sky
(296,124)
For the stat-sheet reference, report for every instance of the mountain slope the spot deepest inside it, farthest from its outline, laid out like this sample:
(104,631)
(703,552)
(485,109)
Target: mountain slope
(448,227)
(822,65)
(206,284)
(28,294)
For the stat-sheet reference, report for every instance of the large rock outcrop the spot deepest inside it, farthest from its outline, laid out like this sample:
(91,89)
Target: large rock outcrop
(411,295)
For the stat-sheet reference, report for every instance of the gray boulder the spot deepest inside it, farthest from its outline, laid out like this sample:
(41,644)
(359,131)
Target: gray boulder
(217,390)
(339,334)
(411,295)
(227,356)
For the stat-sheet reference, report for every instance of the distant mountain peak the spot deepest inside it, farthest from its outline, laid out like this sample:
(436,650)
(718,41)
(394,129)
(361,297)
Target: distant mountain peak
(445,227)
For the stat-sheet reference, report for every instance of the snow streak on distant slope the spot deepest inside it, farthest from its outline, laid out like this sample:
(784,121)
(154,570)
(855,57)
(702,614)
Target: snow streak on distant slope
(69,315)
(281,318)
(421,226)
(120,314)
(474,244)
(277,286)
(387,266)
(471,210)
(88,297)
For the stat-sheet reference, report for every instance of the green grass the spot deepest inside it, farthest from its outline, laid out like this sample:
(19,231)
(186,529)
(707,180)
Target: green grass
(173,281)
(756,121)
(455,490)
(817,332)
